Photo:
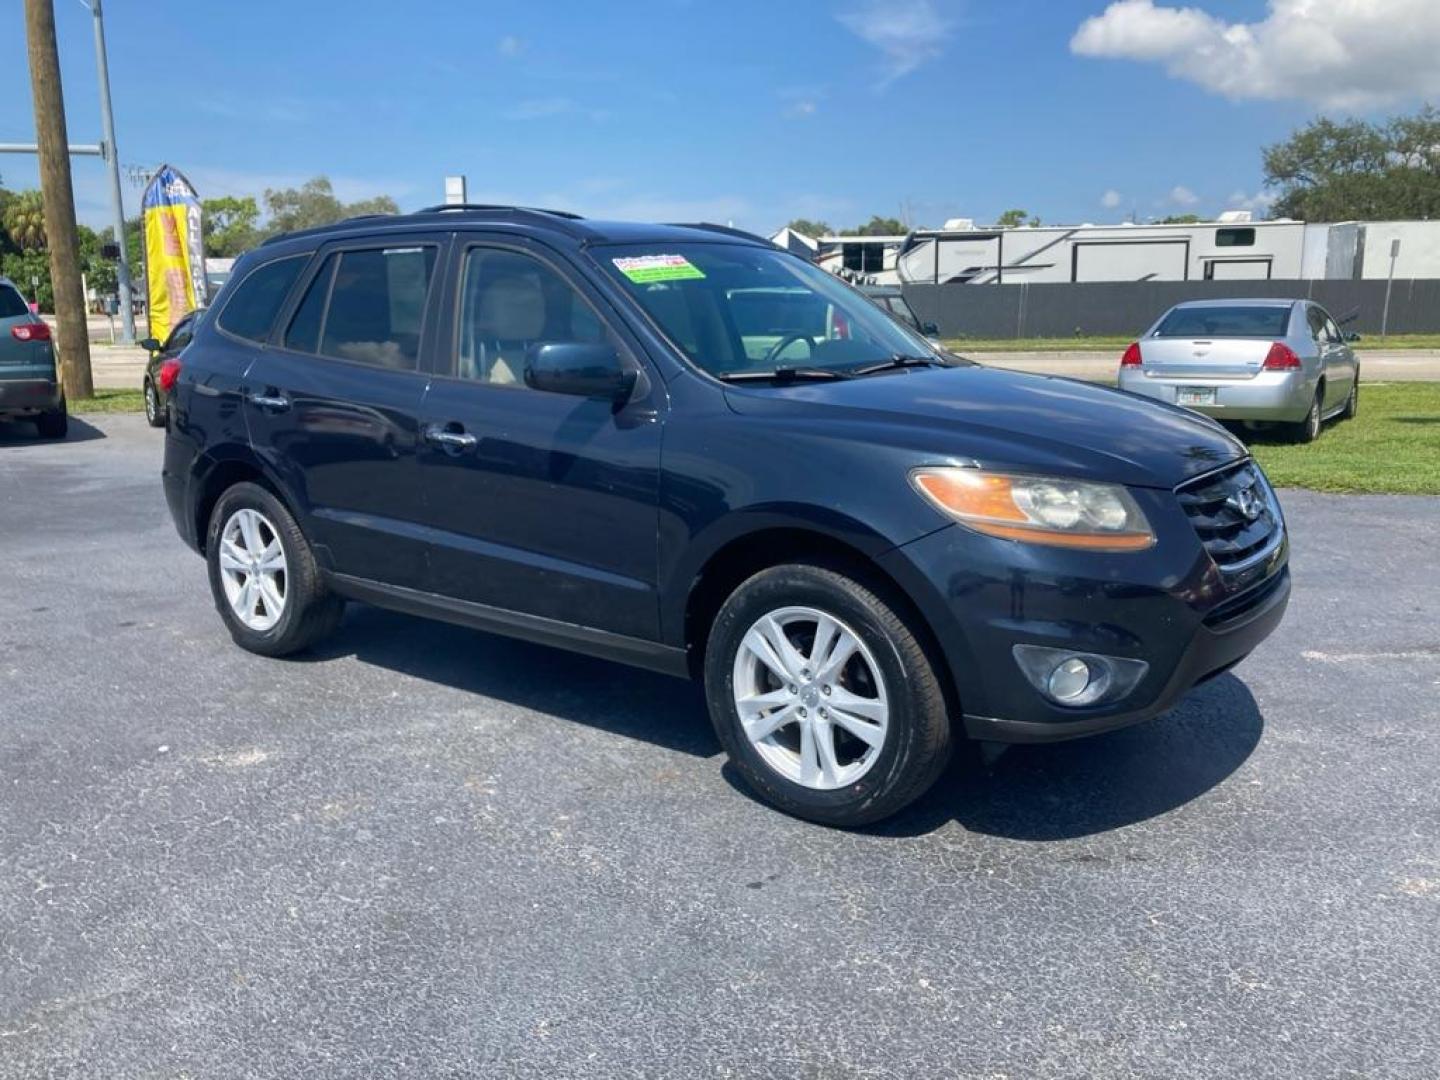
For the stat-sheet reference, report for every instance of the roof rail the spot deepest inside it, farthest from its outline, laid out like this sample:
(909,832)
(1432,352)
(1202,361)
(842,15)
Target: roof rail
(725,230)
(445,207)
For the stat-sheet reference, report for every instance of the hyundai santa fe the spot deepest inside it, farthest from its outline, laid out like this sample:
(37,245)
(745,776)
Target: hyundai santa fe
(681,448)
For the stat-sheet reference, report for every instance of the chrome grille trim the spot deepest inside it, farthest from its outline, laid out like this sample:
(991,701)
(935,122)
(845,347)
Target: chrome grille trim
(1233,541)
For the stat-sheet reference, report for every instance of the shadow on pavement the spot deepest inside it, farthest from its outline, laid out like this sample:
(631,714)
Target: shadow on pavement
(626,701)
(19,432)
(1071,789)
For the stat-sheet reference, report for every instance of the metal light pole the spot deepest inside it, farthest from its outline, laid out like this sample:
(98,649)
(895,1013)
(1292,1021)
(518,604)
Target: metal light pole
(112,160)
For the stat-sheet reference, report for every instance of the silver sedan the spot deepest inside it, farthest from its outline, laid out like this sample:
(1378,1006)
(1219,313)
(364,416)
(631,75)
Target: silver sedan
(1281,361)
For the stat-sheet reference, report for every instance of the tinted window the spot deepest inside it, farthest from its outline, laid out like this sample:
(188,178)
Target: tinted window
(1316,320)
(510,301)
(1234,237)
(1332,331)
(863,258)
(12,303)
(377,306)
(303,334)
(251,309)
(181,335)
(1215,322)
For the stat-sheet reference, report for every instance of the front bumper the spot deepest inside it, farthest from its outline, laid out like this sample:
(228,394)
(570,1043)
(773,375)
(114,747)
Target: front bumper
(23,397)
(1270,395)
(1170,606)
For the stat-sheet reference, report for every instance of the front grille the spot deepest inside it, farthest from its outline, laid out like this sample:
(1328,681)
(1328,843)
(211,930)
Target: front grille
(1232,512)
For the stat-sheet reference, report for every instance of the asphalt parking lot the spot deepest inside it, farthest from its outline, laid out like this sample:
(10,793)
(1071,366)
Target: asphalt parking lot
(426,851)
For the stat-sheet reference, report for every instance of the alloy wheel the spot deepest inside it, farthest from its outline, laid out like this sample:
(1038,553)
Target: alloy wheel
(253,570)
(810,697)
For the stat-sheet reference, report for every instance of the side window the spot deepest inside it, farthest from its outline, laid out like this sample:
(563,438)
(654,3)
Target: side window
(252,307)
(1235,237)
(376,306)
(1316,318)
(181,335)
(303,334)
(510,301)
(1331,330)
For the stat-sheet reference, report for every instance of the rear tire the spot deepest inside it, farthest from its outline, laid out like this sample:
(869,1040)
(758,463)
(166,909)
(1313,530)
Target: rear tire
(1308,430)
(53,424)
(295,609)
(154,411)
(851,768)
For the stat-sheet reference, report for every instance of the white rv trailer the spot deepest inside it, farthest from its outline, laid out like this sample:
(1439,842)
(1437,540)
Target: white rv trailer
(864,260)
(1235,250)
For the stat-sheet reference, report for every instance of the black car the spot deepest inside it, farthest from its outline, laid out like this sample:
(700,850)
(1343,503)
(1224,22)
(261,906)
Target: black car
(681,448)
(163,366)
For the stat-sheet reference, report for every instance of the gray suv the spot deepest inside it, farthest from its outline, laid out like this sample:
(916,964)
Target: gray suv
(29,385)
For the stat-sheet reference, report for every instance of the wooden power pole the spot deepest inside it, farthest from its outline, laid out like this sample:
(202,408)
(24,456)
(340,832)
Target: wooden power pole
(60,233)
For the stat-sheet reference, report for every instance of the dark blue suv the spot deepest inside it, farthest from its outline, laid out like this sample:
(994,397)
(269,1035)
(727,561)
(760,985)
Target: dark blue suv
(682,448)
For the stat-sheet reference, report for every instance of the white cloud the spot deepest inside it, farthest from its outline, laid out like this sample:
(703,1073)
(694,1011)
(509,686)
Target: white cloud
(1344,54)
(510,45)
(1111,199)
(1181,195)
(908,33)
(1260,201)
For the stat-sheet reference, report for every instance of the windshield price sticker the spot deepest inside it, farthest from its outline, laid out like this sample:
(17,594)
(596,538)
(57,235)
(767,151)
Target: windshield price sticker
(643,269)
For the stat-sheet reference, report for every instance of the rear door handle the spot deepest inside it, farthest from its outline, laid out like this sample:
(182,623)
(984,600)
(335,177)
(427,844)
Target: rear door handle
(456,441)
(278,402)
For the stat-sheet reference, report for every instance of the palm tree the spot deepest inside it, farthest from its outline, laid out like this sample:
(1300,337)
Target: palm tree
(25,221)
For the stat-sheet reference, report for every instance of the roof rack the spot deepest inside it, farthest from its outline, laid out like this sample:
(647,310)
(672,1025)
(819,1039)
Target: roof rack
(446,207)
(725,230)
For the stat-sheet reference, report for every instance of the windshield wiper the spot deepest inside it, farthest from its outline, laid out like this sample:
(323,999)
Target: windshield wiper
(783,374)
(898,362)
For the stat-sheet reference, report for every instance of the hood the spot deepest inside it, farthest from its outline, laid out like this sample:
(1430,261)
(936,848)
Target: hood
(1003,419)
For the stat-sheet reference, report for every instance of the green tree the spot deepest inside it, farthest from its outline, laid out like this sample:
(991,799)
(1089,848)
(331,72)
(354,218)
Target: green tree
(230,224)
(25,221)
(1013,219)
(812,229)
(1356,169)
(882,226)
(314,203)
(1180,219)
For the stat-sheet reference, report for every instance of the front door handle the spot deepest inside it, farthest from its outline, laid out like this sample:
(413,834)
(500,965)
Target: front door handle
(454,441)
(278,402)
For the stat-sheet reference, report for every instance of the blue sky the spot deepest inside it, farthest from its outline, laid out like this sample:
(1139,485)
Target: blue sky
(743,110)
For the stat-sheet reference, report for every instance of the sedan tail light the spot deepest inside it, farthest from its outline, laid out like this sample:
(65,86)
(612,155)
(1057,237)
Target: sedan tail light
(169,372)
(1281,358)
(38,331)
(1132,355)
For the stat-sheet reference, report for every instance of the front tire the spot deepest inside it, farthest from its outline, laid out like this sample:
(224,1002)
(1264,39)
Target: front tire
(263,575)
(154,412)
(1352,403)
(1308,430)
(824,697)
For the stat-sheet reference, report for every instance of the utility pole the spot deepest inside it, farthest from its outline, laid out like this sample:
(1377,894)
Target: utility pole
(112,159)
(59,197)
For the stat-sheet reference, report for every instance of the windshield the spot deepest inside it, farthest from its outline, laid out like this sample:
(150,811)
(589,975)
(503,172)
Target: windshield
(735,308)
(1245,321)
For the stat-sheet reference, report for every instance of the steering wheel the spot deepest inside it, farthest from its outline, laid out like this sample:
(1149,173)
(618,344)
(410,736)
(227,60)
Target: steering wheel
(785,342)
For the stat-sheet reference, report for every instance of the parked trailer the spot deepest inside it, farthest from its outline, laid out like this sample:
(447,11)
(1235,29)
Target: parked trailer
(1221,251)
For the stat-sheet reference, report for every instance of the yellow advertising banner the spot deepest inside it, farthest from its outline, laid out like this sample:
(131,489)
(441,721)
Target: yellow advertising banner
(174,250)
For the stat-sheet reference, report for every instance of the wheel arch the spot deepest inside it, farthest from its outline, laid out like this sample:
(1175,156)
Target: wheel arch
(223,470)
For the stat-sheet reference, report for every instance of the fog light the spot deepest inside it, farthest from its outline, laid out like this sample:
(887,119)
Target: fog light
(1069,680)
(1075,679)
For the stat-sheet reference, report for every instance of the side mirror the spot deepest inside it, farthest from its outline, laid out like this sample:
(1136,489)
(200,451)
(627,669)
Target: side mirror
(150,345)
(930,329)
(1352,336)
(578,368)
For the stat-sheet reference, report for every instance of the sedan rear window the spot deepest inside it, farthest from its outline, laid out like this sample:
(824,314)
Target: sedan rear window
(1221,322)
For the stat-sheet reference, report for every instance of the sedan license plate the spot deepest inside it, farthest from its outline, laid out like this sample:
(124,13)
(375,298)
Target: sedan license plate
(1195,395)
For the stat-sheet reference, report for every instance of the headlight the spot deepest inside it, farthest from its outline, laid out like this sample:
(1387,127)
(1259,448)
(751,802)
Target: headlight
(1038,509)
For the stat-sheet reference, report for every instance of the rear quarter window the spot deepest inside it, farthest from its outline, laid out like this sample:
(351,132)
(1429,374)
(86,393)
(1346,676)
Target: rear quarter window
(12,303)
(1214,322)
(252,307)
